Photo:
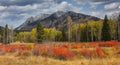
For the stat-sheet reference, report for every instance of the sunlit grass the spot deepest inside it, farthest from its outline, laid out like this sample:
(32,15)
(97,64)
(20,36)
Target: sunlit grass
(39,60)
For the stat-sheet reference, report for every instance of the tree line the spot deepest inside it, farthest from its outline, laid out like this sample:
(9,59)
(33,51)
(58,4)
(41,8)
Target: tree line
(102,30)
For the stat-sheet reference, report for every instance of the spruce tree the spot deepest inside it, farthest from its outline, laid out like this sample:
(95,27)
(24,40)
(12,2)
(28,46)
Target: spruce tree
(6,35)
(1,34)
(118,28)
(40,32)
(106,30)
(64,36)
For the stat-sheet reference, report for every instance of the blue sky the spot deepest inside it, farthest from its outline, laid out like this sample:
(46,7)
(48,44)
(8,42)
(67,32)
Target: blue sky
(15,12)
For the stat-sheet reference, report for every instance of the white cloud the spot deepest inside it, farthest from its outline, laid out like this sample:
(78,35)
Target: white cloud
(65,6)
(112,12)
(5,14)
(24,14)
(95,4)
(1,19)
(119,7)
(95,13)
(23,8)
(112,5)
(2,8)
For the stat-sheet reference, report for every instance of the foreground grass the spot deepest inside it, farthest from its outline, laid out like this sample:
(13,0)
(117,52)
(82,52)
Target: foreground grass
(38,60)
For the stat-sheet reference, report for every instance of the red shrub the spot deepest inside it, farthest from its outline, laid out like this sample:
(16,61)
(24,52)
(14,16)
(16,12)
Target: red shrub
(69,55)
(63,53)
(108,43)
(93,44)
(65,45)
(86,53)
(76,45)
(100,52)
(59,51)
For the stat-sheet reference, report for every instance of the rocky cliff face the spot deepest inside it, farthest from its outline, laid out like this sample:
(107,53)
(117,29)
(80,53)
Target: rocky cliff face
(57,19)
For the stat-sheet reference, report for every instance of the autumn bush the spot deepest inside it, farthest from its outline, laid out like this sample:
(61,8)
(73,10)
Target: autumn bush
(40,50)
(63,53)
(93,44)
(108,43)
(23,53)
(86,53)
(95,53)
(100,52)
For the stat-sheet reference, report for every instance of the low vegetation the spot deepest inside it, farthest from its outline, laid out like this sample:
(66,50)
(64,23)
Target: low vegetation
(54,53)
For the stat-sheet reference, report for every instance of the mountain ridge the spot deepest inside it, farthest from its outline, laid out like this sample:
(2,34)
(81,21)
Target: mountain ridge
(57,19)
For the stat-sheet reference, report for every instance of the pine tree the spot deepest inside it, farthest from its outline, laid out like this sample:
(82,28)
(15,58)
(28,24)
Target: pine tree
(64,36)
(118,28)
(106,36)
(40,32)
(6,35)
(1,34)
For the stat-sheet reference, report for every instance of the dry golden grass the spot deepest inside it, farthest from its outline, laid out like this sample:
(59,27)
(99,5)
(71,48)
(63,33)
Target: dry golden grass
(38,60)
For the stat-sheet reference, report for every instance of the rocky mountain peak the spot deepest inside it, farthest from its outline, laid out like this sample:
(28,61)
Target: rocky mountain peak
(57,19)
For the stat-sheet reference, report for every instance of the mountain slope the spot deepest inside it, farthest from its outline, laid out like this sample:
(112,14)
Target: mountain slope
(31,20)
(58,20)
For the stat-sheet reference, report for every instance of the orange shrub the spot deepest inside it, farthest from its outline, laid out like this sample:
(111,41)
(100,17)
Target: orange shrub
(108,43)
(93,44)
(63,53)
(100,52)
(40,50)
(59,51)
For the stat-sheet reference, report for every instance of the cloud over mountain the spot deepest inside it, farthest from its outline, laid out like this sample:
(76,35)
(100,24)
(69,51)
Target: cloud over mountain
(17,11)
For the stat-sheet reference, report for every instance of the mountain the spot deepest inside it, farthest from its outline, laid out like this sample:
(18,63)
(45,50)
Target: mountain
(25,25)
(40,16)
(57,19)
